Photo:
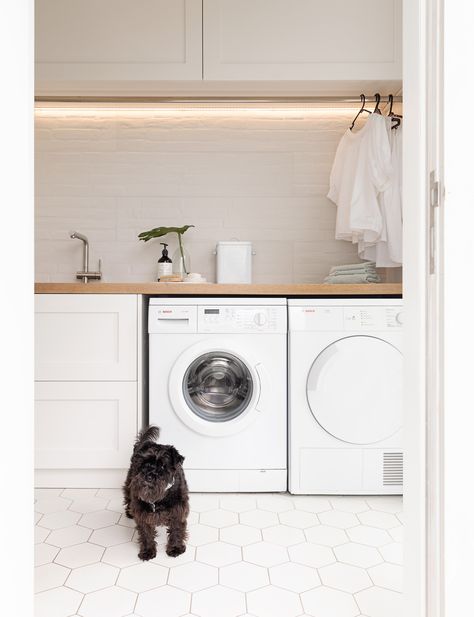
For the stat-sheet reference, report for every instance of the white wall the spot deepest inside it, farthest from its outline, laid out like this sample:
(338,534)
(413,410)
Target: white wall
(235,175)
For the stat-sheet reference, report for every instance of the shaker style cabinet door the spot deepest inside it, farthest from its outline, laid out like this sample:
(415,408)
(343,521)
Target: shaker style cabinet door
(302,40)
(84,425)
(85,337)
(99,41)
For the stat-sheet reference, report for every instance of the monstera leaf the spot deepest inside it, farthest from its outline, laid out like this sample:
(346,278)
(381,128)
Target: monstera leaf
(159,232)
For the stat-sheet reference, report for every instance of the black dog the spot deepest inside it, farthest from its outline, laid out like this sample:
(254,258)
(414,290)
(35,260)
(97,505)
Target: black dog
(156,494)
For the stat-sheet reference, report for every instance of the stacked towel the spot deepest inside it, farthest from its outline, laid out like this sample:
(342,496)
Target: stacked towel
(365,266)
(363,272)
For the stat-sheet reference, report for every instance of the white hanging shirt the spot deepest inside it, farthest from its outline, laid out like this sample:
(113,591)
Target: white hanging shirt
(341,182)
(394,202)
(361,171)
(387,253)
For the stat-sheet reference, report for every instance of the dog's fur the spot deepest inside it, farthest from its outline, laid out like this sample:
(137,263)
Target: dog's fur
(156,493)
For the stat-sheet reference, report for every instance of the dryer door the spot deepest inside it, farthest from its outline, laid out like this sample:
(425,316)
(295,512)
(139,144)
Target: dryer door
(354,389)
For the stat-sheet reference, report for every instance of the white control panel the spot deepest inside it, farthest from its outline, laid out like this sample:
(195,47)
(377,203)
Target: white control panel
(362,319)
(345,319)
(232,319)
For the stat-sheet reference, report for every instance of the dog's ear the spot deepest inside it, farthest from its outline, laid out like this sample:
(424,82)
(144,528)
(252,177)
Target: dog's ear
(176,458)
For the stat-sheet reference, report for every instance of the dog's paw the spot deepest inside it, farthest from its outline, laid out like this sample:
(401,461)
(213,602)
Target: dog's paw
(147,553)
(174,551)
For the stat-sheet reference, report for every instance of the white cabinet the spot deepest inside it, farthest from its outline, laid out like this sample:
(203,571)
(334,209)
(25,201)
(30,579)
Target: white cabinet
(117,40)
(86,337)
(94,47)
(88,391)
(84,424)
(302,40)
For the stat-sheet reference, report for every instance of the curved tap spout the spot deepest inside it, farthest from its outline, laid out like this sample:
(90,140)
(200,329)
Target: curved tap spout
(86,274)
(76,235)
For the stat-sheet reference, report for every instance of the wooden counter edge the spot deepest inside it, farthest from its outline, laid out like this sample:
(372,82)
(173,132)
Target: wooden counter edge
(199,289)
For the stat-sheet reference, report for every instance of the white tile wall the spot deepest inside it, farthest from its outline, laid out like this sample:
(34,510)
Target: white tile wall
(112,175)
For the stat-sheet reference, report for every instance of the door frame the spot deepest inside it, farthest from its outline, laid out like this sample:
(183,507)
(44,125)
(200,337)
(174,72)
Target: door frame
(422,292)
(458,300)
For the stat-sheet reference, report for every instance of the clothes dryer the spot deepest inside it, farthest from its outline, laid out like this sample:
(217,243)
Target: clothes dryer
(345,396)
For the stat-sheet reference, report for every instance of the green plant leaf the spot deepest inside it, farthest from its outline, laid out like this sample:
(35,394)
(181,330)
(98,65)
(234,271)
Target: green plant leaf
(159,232)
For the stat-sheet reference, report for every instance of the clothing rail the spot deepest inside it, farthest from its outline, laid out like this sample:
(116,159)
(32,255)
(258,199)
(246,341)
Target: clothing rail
(215,100)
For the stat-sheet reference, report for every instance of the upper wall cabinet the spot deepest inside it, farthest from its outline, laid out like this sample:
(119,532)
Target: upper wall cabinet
(150,47)
(117,40)
(302,39)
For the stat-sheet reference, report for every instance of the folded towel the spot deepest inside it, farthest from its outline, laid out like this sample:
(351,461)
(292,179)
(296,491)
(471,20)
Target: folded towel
(348,267)
(372,271)
(353,278)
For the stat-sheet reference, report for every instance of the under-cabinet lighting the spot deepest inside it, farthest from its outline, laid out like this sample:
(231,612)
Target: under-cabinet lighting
(191,110)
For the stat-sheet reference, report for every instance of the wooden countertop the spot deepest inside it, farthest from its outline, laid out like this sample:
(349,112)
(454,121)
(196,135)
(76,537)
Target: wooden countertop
(211,289)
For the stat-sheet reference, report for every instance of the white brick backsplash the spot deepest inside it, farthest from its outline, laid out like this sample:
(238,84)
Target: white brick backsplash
(114,175)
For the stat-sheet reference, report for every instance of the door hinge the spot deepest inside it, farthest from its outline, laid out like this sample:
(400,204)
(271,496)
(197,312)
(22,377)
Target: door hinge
(434,190)
(434,205)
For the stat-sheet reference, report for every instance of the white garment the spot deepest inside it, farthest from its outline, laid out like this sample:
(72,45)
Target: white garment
(394,203)
(341,182)
(360,172)
(387,253)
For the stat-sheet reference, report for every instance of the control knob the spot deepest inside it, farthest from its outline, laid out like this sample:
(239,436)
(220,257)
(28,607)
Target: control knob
(260,319)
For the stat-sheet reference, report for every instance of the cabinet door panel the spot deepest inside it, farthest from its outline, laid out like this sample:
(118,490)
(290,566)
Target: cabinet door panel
(105,40)
(84,425)
(86,337)
(302,39)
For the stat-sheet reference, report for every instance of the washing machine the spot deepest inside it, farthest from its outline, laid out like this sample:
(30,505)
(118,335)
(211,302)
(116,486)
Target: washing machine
(218,389)
(345,396)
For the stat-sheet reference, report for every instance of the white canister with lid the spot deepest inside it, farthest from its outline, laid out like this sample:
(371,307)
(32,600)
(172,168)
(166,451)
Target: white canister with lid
(234,262)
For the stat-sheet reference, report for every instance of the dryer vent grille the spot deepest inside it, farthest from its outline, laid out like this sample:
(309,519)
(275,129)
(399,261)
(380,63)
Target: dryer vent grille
(393,468)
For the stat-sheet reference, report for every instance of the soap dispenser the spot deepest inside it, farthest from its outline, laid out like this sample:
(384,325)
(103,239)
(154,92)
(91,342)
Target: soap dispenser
(165,265)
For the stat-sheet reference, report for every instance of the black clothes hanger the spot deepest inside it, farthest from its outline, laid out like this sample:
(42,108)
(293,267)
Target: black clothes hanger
(362,100)
(377,103)
(396,119)
(390,101)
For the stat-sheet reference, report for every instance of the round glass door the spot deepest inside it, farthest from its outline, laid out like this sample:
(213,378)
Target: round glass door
(354,389)
(217,386)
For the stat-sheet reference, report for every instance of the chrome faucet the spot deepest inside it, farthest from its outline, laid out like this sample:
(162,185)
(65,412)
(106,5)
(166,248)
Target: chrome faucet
(85,274)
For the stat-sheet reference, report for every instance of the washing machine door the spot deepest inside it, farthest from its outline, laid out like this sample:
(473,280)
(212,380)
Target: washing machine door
(215,388)
(218,386)
(354,389)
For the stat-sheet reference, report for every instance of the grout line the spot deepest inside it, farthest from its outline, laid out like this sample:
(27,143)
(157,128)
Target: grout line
(80,603)
(246,601)
(357,604)
(136,601)
(88,592)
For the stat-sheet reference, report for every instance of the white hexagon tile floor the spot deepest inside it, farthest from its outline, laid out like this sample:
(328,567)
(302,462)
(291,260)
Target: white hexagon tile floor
(249,555)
